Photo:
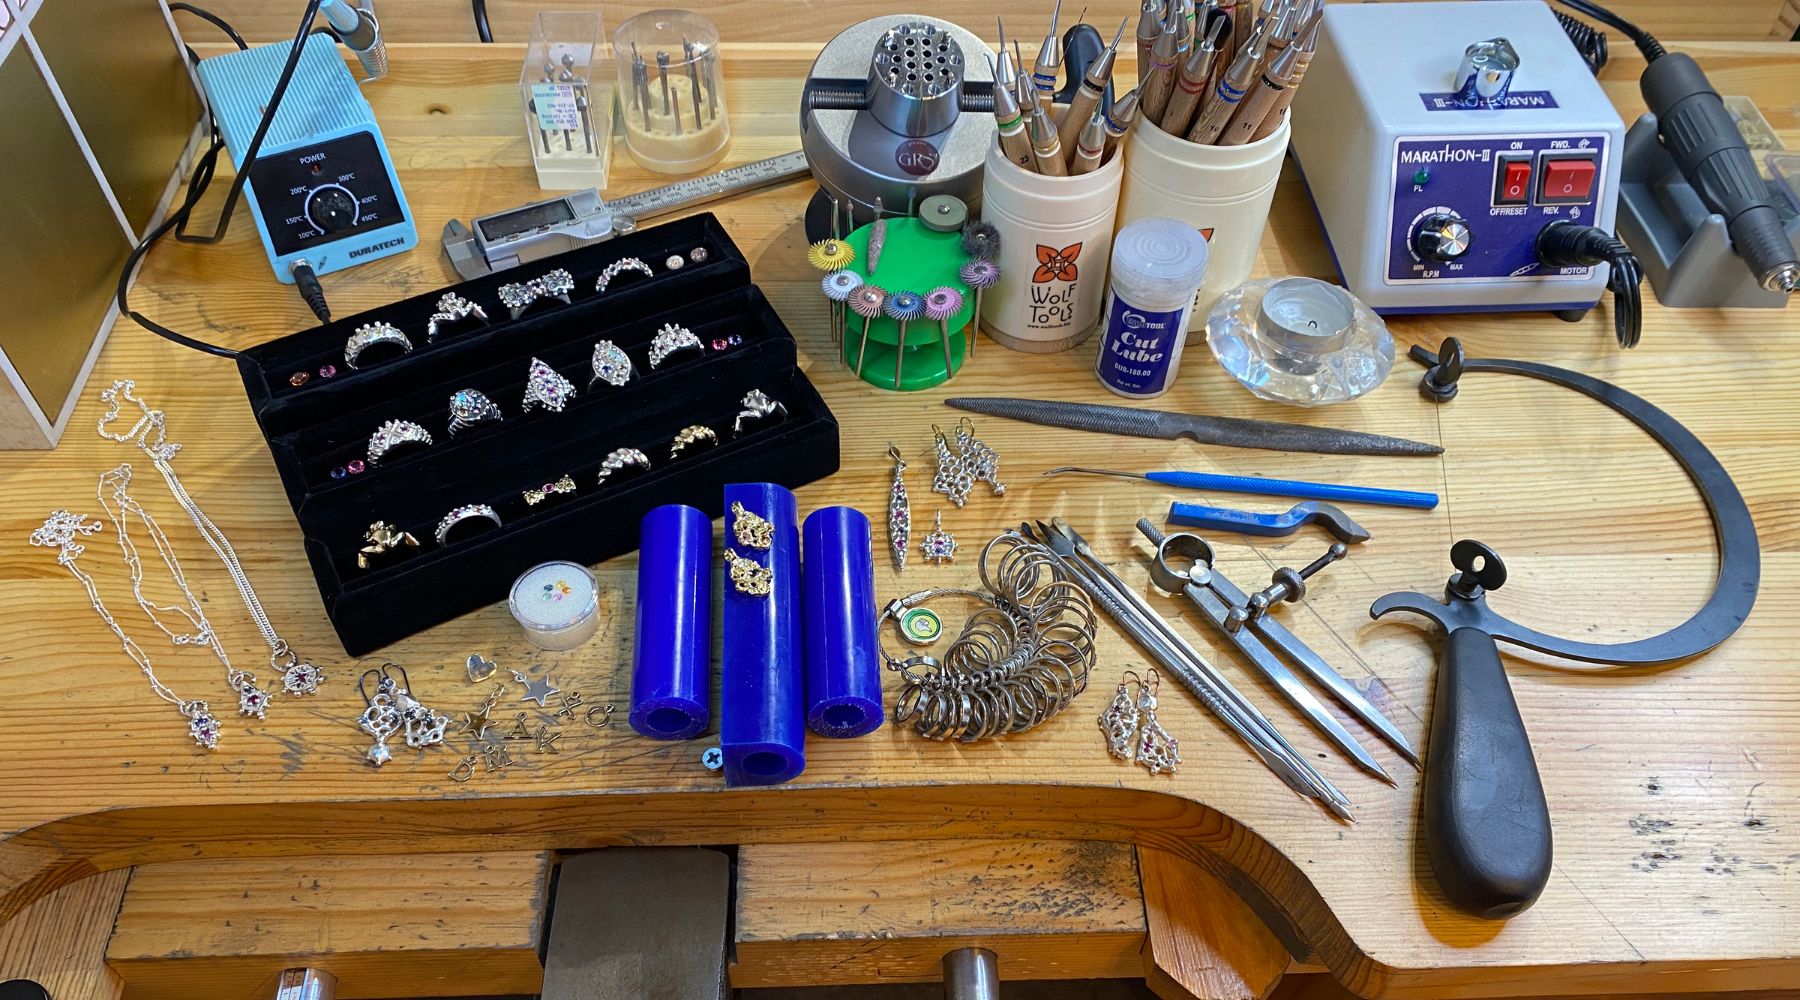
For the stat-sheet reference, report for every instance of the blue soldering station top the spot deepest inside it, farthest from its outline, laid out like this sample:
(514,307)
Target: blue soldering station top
(322,98)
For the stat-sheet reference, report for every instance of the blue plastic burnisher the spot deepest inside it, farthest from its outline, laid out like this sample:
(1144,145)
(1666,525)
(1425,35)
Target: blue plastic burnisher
(671,663)
(762,705)
(843,665)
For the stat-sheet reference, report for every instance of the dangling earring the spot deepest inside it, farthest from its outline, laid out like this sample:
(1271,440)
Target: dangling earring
(899,511)
(1120,719)
(953,478)
(380,719)
(751,529)
(981,461)
(424,727)
(1156,749)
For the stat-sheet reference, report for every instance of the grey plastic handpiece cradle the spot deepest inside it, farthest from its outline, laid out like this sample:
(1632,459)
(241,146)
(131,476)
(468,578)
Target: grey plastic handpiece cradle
(1683,247)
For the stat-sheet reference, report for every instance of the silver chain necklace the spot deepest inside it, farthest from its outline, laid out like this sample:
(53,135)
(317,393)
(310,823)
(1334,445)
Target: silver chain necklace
(116,500)
(149,434)
(63,531)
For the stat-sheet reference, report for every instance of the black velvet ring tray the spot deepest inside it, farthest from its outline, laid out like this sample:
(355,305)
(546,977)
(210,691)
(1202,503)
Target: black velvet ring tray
(323,424)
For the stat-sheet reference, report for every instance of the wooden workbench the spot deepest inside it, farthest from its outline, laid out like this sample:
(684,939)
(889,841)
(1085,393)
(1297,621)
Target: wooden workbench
(1673,792)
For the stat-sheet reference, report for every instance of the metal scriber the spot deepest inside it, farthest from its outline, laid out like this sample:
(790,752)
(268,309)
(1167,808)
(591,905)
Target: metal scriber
(1230,432)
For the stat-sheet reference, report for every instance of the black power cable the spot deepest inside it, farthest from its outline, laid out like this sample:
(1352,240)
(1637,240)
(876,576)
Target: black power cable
(1589,41)
(1565,243)
(482,31)
(202,177)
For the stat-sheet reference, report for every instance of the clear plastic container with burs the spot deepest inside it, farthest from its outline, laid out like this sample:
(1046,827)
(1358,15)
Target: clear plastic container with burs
(671,91)
(567,103)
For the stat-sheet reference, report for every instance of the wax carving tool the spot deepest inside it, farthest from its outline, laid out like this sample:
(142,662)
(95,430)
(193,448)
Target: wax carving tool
(1090,146)
(1256,636)
(1135,617)
(1217,109)
(1231,432)
(1268,88)
(1269,487)
(1190,85)
(1049,63)
(1148,27)
(1159,82)
(1046,150)
(1119,120)
(1087,97)
(1011,124)
(1485,822)
(1249,522)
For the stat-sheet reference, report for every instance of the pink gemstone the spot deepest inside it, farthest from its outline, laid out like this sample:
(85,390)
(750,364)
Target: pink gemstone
(327,371)
(356,466)
(719,344)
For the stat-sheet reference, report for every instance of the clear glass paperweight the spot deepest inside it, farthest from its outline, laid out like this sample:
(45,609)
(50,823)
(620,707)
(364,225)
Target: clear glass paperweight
(1300,341)
(566,87)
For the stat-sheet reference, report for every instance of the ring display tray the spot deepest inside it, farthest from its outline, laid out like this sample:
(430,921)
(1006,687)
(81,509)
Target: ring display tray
(315,430)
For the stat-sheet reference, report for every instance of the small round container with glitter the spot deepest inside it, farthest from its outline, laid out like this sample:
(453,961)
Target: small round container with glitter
(557,604)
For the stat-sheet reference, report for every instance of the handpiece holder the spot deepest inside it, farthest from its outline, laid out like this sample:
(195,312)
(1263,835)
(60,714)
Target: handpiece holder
(1684,247)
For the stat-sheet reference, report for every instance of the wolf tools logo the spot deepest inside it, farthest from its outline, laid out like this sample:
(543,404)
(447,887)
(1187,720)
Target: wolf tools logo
(1053,285)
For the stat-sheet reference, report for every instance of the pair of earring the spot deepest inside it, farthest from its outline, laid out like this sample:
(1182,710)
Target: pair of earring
(971,462)
(752,531)
(1131,727)
(938,545)
(392,708)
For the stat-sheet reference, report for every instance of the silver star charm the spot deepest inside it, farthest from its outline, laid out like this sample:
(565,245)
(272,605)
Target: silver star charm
(538,690)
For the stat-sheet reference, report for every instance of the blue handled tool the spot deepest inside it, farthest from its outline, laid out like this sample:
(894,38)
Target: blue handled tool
(1249,522)
(1270,487)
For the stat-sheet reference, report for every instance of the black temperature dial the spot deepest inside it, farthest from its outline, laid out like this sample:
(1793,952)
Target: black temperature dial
(331,208)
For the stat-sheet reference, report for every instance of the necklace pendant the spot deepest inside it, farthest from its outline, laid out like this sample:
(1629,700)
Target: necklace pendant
(202,726)
(252,700)
(301,678)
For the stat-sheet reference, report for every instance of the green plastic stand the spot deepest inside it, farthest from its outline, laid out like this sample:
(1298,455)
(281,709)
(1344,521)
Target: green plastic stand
(914,259)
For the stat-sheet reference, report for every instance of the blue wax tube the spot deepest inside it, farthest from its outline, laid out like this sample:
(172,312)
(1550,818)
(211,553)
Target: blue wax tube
(843,668)
(762,706)
(671,663)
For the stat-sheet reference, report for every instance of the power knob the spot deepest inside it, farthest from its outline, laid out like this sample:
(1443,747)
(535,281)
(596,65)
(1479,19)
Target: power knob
(1442,237)
(331,208)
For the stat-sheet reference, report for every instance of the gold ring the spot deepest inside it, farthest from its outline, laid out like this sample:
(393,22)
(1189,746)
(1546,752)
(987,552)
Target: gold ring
(692,435)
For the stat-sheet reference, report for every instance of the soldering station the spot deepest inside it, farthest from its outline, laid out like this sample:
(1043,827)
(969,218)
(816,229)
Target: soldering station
(603,370)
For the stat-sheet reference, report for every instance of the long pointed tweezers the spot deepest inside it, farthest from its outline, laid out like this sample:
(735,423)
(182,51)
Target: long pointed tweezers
(1139,621)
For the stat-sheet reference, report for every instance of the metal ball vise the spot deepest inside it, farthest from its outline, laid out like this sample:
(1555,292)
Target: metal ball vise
(882,116)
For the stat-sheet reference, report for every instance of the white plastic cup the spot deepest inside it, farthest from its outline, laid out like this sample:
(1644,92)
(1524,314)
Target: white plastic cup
(1223,191)
(1157,264)
(1055,237)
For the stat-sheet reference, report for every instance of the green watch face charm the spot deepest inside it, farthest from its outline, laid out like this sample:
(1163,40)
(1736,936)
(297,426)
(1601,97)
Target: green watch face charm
(921,626)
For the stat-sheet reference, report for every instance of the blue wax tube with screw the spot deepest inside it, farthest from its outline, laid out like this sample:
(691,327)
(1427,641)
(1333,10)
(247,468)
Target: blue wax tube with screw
(671,667)
(762,705)
(843,668)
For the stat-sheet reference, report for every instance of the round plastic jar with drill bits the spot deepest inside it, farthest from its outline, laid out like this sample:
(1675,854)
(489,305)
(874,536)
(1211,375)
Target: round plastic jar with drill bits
(671,91)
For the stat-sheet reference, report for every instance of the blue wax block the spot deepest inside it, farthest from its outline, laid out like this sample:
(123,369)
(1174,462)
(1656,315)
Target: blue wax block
(671,668)
(762,708)
(843,664)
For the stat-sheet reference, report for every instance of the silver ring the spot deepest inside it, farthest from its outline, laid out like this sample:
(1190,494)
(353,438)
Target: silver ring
(465,513)
(469,407)
(516,296)
(619,267)
(519,296)
(621,459)
(672,338)
(757,406)
(452,308)
(392,435)
(611,365)
(545,388)
(370,334)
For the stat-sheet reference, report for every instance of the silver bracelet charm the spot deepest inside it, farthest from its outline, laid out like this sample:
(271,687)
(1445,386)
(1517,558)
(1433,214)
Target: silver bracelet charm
(370,334)
(393,434)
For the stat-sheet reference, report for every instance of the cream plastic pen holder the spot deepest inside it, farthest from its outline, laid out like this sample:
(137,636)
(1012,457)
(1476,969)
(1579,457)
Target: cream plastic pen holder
(1055,241)
(1223,191)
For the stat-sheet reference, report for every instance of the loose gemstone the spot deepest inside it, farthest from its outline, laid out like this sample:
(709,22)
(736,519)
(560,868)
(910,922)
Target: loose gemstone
(719,344)
(339,472)
(327,371)
(734,340)
(356,466)
(299,379)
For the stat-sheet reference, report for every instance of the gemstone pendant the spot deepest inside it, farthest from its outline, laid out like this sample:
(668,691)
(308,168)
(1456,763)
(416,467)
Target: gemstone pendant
(301,678)
(204,728)
(252,700)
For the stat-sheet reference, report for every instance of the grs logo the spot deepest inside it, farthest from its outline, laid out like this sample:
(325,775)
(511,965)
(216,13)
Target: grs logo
(917,157)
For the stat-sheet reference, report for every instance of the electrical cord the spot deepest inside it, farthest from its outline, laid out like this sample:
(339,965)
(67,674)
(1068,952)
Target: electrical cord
(214,20)
(1565,243)
(482,31)
(1646,43)
(202,177)
(307,281)
(1589,41)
